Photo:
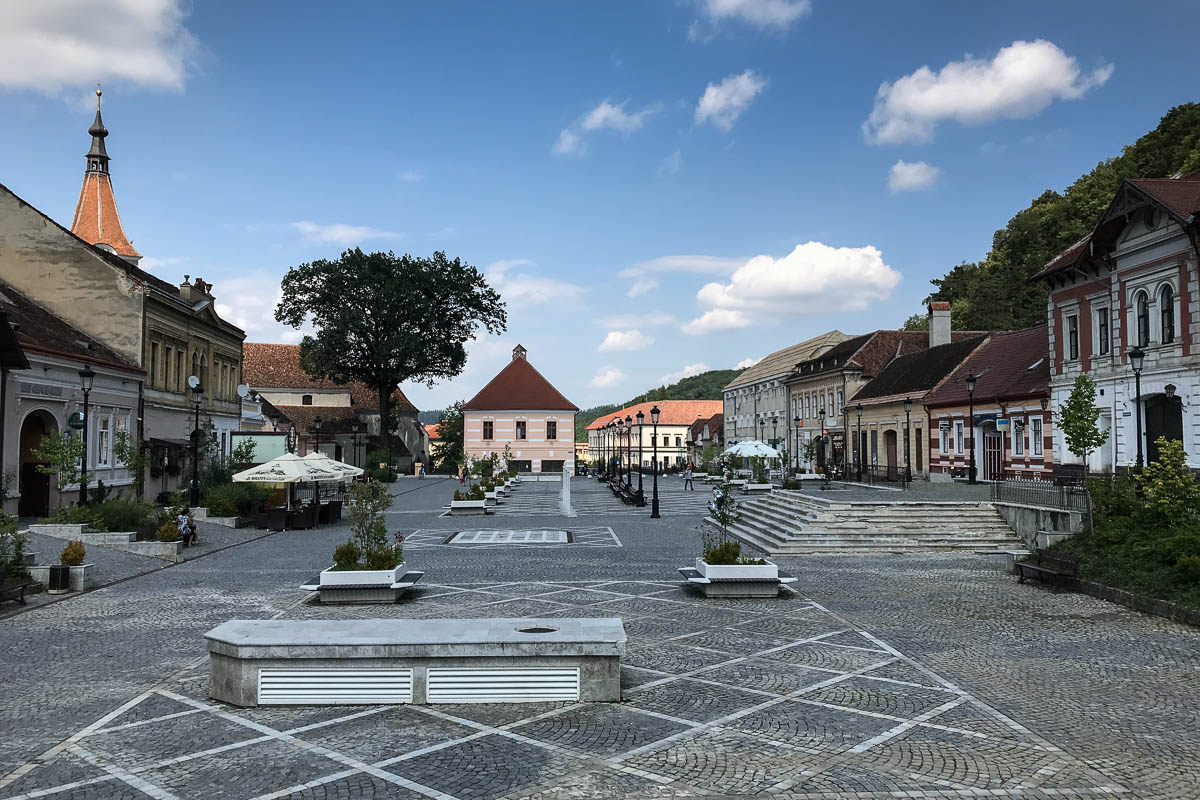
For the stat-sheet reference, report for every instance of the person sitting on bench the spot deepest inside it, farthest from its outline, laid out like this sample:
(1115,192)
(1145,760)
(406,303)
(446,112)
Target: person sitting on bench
(187,527)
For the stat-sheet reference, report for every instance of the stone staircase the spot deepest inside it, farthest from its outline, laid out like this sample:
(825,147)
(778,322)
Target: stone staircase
(787,523)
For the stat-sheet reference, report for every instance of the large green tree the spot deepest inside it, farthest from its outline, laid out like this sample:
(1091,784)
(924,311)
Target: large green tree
(450,430)
(382,319)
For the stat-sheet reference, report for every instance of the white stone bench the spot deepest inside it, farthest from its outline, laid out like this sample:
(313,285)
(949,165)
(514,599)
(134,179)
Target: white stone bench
(386,661)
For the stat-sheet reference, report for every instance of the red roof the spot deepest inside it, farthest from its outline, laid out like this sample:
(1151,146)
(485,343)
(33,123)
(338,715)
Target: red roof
(1010,365)
(277,366)
(432,432)
(96,220)
(519,387)
(671,412)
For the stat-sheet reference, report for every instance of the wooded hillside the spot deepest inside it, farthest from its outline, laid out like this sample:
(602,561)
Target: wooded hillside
(705,386)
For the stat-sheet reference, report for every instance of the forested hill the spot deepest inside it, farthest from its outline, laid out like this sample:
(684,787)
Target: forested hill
(705,386)
(995,294)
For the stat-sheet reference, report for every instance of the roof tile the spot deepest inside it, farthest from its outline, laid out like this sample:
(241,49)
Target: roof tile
(671,412)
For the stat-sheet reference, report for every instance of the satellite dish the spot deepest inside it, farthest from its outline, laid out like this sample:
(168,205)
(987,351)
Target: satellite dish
(193,381)
(243,390)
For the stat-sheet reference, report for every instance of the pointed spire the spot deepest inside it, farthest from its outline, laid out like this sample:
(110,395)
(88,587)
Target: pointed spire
(97,157)
(96,219)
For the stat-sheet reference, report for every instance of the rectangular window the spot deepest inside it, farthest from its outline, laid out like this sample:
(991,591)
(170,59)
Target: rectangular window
(944,438)
(122,428)
(921,444)
(489,429)
(168,359)
(1102,343)
(520,429)
(679,441)
(551,429)
(822,406)
(1035,432)
(958,438)
(154,363)
(179,371)
(831,403)
(839,405)
(1073,337)
(874,447)
(1018,437)
(103,440)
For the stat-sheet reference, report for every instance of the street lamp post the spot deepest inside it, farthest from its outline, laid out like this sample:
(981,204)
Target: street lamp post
(907,445)
(197,395)
(1137,359)
(654,412)
(762,428)
(641,418)
(796,422)
(291,438)
(86,376)
(612,438)
(354,428)
(859,442)
(629,451)
(317,434)
(774,430)
(971,422)
(620,449)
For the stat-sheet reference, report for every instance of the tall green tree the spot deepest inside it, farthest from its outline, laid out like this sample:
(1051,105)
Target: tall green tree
(1078,418)
(383,319)
(450,430)
(61,452)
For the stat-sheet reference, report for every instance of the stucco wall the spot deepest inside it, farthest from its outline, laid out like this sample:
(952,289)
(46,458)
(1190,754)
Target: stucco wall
(535,447)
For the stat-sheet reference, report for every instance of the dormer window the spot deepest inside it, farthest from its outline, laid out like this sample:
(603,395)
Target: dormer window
(306,400)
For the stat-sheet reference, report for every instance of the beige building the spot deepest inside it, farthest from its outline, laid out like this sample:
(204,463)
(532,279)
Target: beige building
(614,444)
(759,395)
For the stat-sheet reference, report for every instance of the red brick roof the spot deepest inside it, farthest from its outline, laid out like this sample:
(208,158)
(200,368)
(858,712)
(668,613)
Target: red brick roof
(519,387)
(432,432)
(277,366)
(96,219)
(671,412)
(1010,365)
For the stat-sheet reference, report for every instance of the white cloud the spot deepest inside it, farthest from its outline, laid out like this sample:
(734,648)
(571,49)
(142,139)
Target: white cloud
(625,342)
(746,363)
(249,303)
(55,45)
(641,286)
(706,265)
(812,279)
(645,319)
(908,177)
(605,116)
(412,176)
(687,372)
(1020,81)
(339,233)
(606,377)
(523,290)
(722,103)
(150,263)
(715,321)
(777,14)
(671,164)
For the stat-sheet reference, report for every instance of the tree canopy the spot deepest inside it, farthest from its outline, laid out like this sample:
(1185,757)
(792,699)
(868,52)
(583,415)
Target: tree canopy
(451,450)
(995,293)
(382,319)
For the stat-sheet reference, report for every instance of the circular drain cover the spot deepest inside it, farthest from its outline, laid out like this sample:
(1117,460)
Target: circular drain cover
(537,629)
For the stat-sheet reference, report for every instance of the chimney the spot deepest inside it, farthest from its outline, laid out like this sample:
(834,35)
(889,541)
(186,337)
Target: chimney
(939,323)
(186,290)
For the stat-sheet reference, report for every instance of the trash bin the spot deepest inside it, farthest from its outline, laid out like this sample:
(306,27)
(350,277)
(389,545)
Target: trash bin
(60,579)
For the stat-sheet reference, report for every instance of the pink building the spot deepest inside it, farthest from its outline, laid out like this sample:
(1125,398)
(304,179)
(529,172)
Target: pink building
(521,409)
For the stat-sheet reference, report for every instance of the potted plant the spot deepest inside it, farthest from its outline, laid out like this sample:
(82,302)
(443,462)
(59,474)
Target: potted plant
(79,573)
(368,558)
(471,501)
(723,554)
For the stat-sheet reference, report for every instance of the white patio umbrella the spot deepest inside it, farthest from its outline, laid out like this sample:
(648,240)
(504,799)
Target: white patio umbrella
(287,468)
(751,450)
(342,469)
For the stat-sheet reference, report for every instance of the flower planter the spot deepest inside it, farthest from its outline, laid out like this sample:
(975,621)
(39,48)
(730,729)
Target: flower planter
(760,488)
(352,577)
(467,508)
(738,482)
(78,578)
(492,496)
(735,571)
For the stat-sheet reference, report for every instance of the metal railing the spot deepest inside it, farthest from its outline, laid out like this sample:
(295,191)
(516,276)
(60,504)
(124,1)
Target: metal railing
(1061,495)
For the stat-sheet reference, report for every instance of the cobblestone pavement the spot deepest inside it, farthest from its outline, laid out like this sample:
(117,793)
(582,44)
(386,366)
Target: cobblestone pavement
(589,497)
(885,676)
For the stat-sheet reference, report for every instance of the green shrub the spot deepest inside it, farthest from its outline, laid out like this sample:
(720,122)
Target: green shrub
(727,552)
(1190,566)
(1168,485)
(73,554)
(234,499)
(373,470)
(167,532)
(12,547)
(346,556)
(388,557)
(119,514)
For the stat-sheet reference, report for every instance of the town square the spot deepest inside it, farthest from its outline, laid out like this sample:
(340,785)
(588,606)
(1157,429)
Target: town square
(647,400)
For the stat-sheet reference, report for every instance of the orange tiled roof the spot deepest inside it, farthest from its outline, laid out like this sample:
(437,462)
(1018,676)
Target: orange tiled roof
(96,219)
(432,432)
(266,365)
(671,412)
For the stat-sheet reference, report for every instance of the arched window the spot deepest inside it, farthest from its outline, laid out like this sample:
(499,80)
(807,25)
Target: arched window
(306,400)
(1141,304)
(1166,310)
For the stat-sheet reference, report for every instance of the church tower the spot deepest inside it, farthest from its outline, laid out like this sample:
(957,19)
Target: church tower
(96,219)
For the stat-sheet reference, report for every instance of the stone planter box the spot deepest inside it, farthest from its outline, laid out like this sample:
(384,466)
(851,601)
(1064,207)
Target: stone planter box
(60,531)
(352,577)
(738,482)
(358,586)
(726,571)
(81,576)
(492,495)
(467,508)
(757,488)
(225,522)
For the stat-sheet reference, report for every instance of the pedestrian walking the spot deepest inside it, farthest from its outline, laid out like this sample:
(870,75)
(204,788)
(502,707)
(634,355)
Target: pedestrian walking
(421,471)
(687,478)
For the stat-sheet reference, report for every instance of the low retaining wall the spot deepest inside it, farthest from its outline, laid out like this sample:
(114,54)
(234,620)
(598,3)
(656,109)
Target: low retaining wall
(1037,526)
(168,551)
(1138,602)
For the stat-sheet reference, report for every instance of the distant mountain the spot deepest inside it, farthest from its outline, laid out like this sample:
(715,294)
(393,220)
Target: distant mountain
(431,417)
(705,386)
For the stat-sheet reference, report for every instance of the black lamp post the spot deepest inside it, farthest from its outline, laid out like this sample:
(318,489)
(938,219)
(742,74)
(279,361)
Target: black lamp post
(629,451)
(354,428)
(620,450)
(86,376)
(654,412)
(291,439)
(317,434)
(762,428)
(612,437)
(907,447)
(971,422)
(641,418)
(197,396)
(796,422)
(1137,358)
(861,450)
(774,429)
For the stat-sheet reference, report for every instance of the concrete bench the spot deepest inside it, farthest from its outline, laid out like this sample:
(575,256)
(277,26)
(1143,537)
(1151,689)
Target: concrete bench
(386,661)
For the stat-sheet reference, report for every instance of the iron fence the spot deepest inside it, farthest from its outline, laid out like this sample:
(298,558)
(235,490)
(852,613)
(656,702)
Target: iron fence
(1059,495)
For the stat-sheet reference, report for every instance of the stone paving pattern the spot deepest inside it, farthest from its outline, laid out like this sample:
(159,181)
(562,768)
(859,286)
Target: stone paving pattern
(884,676)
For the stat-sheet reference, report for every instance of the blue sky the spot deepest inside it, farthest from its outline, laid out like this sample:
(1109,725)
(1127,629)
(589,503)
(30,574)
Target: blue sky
(655,187)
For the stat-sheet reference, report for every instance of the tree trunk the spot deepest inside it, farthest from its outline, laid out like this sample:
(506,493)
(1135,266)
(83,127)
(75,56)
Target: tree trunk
(385,419)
